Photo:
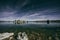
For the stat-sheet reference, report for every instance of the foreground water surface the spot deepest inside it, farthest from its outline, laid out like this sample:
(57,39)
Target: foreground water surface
(10,26)
(32,28)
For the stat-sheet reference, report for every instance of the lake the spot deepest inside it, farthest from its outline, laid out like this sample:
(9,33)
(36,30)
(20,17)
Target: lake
(50,29)
(6,26)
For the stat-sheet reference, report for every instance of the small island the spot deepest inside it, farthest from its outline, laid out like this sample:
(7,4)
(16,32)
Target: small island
(19,22)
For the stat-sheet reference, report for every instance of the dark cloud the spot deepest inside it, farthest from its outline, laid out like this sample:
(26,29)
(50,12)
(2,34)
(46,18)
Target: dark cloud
(29,9)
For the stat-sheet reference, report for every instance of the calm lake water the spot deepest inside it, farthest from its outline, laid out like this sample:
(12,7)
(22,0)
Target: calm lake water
(10,26)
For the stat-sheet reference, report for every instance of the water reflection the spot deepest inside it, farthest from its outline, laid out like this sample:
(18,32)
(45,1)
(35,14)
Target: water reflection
(6,22)
(29,23)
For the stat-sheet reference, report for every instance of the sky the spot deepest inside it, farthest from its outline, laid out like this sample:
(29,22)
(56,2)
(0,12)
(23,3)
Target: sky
(29,10)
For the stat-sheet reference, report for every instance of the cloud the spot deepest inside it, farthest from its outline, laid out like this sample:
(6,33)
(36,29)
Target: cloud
(7,14)
(51,14)
(20,4)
